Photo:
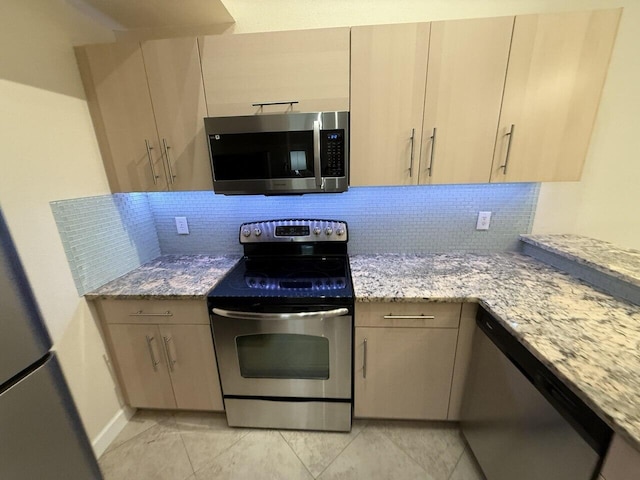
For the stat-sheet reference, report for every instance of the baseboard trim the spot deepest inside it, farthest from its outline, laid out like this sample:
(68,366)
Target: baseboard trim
(111,430)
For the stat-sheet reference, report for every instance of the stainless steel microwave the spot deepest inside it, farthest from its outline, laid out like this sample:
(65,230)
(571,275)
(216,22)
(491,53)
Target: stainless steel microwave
(289,153)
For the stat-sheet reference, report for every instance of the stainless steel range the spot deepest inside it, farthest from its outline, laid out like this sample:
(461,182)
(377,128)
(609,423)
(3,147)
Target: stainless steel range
(282,322)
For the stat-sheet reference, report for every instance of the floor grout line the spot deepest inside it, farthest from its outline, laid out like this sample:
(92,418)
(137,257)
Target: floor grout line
(107,451)
(345,447)
(222,452)
(294,452)
(402,449)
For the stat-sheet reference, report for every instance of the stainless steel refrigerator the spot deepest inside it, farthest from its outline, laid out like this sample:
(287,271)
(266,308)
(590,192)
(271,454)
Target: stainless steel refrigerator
(41,436)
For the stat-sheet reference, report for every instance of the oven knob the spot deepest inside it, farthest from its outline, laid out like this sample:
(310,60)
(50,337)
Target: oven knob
(328,230)
(340,232)
(317,231)
(257,232)
(246,232)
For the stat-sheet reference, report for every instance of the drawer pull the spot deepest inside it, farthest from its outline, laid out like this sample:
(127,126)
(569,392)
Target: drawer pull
(140,313)
(409,317)
(154,362)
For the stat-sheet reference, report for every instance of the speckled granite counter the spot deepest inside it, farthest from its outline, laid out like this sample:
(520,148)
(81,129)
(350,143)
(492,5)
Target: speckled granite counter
(605,257)
(169,276)
(588,338)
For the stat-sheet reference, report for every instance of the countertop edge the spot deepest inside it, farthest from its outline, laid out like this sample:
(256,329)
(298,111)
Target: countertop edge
(531,240)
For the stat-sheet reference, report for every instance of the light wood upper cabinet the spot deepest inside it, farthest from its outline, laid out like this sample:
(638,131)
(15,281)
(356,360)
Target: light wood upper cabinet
(557,67)
(465,80)
(177,92)
(310,67)
(388,71)
(147,105)
(116,85)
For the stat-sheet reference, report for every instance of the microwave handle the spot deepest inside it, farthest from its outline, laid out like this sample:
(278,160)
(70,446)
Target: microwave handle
(316,153)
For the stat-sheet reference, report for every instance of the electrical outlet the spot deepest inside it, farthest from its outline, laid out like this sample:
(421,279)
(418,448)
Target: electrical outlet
(181,226)
(484,220)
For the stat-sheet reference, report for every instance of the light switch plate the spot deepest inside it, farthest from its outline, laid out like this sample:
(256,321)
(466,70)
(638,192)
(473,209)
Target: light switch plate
(484,220)
(182,226)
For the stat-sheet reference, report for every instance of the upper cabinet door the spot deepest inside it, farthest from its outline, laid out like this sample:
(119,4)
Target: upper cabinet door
(465,81)
(118,96)
(388,73)
(309,67)
(177,93)
(556,72)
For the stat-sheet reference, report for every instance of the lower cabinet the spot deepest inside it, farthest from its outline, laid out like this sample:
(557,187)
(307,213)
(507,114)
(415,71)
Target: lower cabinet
(622,461)
(407,362)
(163,353)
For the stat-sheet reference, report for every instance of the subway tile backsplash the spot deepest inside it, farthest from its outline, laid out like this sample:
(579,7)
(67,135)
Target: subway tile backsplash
(107,236)
(421,219)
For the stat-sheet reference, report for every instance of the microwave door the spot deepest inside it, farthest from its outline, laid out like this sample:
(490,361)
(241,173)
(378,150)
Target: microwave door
(262,156)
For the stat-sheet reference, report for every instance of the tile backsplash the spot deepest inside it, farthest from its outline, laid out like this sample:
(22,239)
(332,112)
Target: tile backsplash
(420,219)
(107,236)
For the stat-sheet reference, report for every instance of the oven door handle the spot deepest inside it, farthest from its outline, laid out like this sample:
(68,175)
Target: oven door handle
(338,312)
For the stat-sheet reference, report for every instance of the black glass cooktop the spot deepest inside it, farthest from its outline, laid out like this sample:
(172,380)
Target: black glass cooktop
(288,277)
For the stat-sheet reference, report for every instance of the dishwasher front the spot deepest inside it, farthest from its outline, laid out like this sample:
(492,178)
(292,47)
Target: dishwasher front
(520,421)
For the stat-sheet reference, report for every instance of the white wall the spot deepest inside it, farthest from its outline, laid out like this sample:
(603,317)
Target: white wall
(603,204)
(49,152)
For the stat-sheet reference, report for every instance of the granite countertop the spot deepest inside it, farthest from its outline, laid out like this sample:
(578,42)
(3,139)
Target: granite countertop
(621,263)
(169,276)
(589,339)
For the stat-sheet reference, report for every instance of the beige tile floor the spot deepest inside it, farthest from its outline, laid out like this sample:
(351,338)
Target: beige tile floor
(200,446)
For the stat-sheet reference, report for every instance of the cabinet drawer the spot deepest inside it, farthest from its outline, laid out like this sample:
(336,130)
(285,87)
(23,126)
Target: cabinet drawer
(411,315)
(155,311)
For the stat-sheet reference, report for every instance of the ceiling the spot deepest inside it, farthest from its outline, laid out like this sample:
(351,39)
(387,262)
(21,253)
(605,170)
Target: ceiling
(155,14)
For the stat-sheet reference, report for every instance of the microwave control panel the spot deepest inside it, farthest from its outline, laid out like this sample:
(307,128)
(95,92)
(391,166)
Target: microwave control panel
(332,153)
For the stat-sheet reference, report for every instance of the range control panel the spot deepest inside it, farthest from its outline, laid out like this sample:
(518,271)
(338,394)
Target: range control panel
(294,230)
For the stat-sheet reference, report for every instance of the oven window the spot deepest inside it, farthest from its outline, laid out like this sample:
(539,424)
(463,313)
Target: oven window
(283,355)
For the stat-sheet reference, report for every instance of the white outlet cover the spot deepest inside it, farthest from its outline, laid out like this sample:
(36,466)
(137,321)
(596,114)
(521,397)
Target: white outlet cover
(484,220)
(182,226)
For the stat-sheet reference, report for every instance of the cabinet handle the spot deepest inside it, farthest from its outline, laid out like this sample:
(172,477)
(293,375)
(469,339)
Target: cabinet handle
(262,104)
(364,360)
(171,360)
(433,149)
(506,159)
(413,136)
(154,362)
(410,317)
(140,313)
(166,154)
(316,153)
(153,169)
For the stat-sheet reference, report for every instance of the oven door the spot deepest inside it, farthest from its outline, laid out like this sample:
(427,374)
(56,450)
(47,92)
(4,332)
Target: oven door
(303,354)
